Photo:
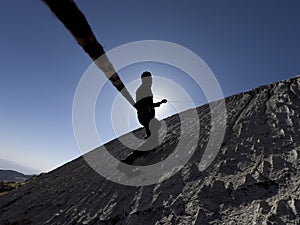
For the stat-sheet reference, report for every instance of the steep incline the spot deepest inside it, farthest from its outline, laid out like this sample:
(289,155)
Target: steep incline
(254,179)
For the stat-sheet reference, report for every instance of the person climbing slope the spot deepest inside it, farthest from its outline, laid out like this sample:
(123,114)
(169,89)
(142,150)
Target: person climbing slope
(144,102)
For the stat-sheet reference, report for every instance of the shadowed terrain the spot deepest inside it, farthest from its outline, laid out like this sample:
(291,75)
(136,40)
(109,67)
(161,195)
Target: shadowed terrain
(253,180)
(12,176)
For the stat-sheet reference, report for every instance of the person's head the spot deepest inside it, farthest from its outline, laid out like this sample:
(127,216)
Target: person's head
(146,78)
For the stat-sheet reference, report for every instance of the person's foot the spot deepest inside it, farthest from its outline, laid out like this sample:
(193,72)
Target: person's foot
(145,138)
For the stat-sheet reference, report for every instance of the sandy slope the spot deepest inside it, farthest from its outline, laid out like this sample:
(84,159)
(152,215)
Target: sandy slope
(253,180)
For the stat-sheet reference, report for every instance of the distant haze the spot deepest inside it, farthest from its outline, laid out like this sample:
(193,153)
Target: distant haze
(8,165)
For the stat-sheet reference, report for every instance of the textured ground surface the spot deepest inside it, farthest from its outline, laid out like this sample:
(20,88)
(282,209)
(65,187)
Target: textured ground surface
(255,178)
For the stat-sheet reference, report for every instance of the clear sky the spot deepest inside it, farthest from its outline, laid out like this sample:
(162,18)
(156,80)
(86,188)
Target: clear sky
(245,43)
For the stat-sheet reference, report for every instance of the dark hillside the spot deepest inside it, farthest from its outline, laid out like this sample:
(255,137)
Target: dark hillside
(255,178)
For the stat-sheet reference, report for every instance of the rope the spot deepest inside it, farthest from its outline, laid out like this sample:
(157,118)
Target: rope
(184,101)
(178,100)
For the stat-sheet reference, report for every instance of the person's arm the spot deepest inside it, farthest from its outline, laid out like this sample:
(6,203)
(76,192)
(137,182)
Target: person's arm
(157,104)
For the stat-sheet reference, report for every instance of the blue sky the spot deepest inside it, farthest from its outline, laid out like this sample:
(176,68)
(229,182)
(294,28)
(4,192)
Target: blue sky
(245,43)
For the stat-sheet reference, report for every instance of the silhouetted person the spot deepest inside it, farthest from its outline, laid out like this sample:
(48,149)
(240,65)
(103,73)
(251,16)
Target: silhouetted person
(144,102)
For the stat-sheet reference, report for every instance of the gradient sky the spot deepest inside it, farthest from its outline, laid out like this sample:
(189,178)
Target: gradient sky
(245,43)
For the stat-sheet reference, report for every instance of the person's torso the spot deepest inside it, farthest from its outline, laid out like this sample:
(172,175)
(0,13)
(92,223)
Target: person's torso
(144,102)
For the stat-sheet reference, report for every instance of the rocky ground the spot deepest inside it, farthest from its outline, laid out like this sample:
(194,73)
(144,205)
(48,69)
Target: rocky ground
(5,186)
(253,180)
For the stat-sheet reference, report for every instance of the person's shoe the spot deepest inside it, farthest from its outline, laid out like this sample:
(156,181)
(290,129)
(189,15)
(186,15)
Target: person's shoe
(145,138)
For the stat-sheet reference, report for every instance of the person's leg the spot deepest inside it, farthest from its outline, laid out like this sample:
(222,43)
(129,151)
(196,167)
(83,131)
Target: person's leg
(145,120)
(154,127)
(148,132)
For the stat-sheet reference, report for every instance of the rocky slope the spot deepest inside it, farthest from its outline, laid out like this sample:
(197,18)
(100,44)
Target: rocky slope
(253,180)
